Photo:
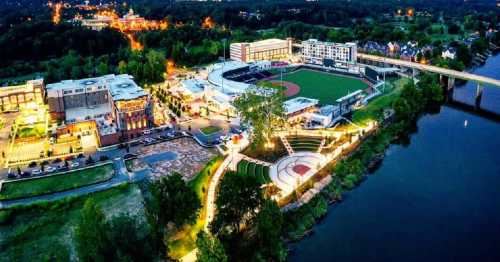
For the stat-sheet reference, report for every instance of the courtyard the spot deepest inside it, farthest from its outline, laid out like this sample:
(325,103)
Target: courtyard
(182,155)
(326,87)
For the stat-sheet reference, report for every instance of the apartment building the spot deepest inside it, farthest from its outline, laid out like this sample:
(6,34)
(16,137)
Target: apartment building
(329,54)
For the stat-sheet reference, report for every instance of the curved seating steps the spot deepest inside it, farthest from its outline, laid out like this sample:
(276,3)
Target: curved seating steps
(285,179)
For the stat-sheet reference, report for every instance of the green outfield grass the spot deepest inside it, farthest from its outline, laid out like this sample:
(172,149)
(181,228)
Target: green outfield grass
(325,87)
(375,108)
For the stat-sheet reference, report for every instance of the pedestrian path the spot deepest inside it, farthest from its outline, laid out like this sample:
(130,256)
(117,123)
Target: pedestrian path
(212,190)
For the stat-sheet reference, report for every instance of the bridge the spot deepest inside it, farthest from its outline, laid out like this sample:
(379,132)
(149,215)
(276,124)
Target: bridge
(451,74)
(433,69)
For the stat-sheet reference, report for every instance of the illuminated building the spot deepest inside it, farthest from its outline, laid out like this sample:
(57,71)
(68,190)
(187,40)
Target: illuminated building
(329,54)
(269,49)
(11,97)
(120,108)
(130,22)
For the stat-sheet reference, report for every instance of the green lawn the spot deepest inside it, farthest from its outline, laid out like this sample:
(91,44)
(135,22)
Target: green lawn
(375,106)
(56,183)
(325,87)
(183,241)
(210,130)
(38,130)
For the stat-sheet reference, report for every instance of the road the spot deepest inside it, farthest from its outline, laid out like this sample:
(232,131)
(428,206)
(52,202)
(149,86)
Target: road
(434,69)
(121,177)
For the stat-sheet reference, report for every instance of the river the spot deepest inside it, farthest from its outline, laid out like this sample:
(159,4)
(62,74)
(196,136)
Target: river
(437,199)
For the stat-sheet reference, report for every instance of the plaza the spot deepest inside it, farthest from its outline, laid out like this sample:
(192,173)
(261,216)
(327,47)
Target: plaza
(182,155)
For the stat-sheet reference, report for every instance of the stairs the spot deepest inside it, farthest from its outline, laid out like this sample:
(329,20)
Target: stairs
(323,141)
(289,148)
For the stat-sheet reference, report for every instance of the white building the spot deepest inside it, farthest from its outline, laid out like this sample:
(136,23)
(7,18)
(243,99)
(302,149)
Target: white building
(449,53)
(329,54)
(269,49)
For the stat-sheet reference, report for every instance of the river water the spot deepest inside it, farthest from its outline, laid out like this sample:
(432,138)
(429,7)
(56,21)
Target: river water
(438,199)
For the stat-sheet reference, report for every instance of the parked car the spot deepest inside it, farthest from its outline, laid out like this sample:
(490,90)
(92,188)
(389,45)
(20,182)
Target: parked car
(25,174)
(74,165)
(50,169)
(148,140)
(129,155)
(11,175)
(146,132)
(36,171)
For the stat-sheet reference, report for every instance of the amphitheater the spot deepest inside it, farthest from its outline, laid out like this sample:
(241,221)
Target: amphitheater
(295,169)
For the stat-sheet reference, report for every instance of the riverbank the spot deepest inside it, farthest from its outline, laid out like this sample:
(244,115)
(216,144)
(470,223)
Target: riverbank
(435,198)
(432,199)
(408,104)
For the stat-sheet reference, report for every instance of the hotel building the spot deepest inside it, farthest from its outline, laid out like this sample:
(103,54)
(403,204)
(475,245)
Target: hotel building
(270,49)
(120,108)
(329,54)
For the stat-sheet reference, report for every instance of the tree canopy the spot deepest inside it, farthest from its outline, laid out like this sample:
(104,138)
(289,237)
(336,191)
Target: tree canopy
(171,203)
(210,249)
(262,108)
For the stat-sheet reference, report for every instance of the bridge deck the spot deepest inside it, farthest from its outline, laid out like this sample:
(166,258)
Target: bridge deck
(433,69)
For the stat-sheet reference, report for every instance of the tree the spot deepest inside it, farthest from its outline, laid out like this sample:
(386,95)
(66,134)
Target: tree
(210,249)
(122,67)
(102,69)
(90,232)
(237,203)
(127,242)
(262,108)
(171,201)
(269,223)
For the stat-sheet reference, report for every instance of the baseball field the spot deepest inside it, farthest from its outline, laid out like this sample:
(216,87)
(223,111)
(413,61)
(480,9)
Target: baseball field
(323,86)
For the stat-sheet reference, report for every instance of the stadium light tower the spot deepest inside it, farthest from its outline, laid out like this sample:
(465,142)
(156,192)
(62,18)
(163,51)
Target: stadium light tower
(223,62)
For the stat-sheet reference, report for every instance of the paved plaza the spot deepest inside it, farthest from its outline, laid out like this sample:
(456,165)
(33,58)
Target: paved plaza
(182,155)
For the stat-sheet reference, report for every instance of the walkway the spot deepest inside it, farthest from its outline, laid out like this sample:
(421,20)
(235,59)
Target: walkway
(121,177)
(212,187)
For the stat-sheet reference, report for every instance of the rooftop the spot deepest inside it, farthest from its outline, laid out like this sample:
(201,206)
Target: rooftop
(299,103)
(227,86)
(194,86)
(121,87)
(271,41)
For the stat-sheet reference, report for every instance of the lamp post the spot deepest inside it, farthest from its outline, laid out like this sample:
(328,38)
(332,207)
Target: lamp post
(223,62)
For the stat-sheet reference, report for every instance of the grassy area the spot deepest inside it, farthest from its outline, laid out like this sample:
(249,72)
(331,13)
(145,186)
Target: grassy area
(56,183)
(376,106)
(323,86)
(310,144)
(252,169)
(44,232)
(183,241)
(37,130)
(210,130)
